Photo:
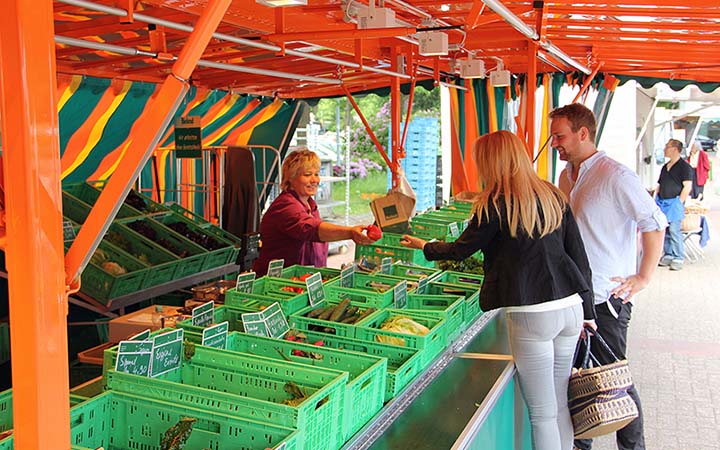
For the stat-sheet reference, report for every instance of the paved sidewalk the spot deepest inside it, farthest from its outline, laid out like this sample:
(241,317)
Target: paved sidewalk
(674,350)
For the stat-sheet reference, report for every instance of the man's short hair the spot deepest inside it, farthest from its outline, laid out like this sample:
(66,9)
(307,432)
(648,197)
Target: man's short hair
(578,116)
(676,144)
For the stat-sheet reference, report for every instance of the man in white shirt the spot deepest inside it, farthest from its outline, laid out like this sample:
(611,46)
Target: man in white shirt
(610,206)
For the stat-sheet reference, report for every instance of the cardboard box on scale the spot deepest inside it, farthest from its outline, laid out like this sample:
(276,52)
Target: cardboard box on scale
(393,211)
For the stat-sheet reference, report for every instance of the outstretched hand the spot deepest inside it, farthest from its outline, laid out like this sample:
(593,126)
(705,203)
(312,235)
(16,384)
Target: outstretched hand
(358,236)
(412,241)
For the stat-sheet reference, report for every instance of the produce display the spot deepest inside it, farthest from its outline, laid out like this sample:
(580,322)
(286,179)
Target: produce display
(343,312)
(143,228)
(401,324)
(205,241)
(177,435)
(467,265)
(119,240)
(100,259)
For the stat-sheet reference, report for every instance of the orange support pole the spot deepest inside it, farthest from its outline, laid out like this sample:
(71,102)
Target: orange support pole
(34,251)
(374,138)
(395,113)
(409,110)
(155,120)
(530,104)
(588,82)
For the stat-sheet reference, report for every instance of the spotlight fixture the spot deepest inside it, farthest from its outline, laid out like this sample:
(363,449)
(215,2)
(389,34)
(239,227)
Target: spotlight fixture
(500,77)
(472,68)
(433,43)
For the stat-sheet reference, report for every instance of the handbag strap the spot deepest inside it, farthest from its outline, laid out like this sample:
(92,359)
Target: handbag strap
(603,344)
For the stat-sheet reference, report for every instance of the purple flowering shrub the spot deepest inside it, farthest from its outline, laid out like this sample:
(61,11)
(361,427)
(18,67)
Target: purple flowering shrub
(359,167)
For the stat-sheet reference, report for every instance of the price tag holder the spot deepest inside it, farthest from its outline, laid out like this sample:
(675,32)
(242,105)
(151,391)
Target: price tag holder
(167,352)
(216,336)
(254,323)
(245,282)
(385,264)
(134,357)
(275,321)
(141,336)
(422,285)
(454,230)
(315,288)
(400,295)
(204,314)
(275,268)
(347,276)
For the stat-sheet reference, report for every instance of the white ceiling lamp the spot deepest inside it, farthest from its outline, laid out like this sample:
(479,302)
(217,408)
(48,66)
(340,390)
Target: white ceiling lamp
(279,3)
(472,67)
(433,43)
(500,77)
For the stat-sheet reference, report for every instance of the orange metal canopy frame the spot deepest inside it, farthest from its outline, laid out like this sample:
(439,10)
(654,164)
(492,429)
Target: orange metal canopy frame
(294,52)
(675,39)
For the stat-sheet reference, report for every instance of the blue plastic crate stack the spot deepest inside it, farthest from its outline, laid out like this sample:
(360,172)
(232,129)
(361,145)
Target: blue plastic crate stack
(420,164)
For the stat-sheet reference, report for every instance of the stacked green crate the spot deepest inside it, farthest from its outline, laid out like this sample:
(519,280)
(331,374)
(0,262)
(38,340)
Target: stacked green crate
(251,387)
(389,247)
(224,313)
(372,289)
(289,294)
(411,273)
(448,307)
(367,373)
(404,363)
(311,319)
(451,283)
(300,271)
(431,344)
(116,420)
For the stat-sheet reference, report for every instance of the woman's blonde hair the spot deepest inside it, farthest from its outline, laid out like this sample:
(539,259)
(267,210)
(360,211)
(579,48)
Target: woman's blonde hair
(509,184)
(295,162)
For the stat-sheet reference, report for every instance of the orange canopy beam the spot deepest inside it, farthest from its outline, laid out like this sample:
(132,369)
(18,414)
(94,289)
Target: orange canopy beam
(530,93)
(34,251)
(587,82)
(395,114)
(374,138)
(342,34)
(154,120)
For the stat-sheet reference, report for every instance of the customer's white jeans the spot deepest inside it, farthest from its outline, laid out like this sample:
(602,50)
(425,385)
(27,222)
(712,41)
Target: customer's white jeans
(543,344)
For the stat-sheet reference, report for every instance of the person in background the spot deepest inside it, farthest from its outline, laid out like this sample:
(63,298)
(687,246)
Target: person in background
(700,162)
(674,186)
(536,268)
(610,205)
(292,229)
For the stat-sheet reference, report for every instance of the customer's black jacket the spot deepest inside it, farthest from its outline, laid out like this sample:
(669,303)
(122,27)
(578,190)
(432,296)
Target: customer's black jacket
(523,271)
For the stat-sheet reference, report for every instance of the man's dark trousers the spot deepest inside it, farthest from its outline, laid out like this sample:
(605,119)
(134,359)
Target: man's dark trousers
(614,332)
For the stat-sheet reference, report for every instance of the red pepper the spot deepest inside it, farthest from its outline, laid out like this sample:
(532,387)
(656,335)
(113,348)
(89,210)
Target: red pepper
(319,343)
(373,232)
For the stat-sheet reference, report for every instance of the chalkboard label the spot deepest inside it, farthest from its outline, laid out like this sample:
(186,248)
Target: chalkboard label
(166,352)
(188,137)
(216,336)
(134,357)
(454,230)
(142,336)
(275,321)
(204,314)
(400,294)
(254,323)
(315,289)
(275,268)
(68,231)
(422,285)
(385,264)
(347,276)
(245,282)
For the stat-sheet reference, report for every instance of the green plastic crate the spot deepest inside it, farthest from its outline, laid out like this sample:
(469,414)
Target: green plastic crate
(403,363)
(271,289)
(289,305)
(300,321)
(458,206)
(82,197)
(103,286)
(123,421)
(221,251)
(448,307)
(470,279)
(231,314)
(365,391)
(192,256)
(471,293)
(298,270)
(432,344)
(251,387)
(372,289)
(432,228)
(411,273)
(163,263)
(389,247)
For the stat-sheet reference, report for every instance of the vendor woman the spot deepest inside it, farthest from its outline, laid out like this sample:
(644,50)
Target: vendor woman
(292,229)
